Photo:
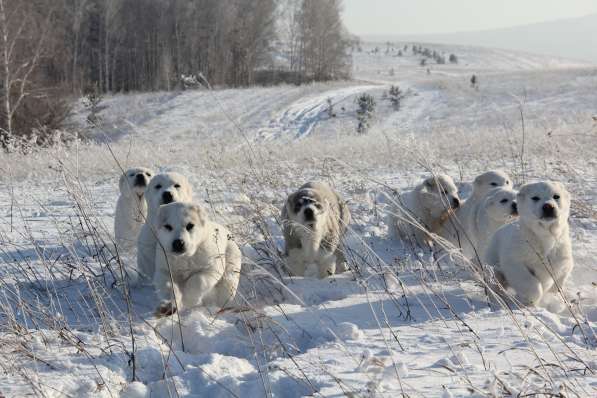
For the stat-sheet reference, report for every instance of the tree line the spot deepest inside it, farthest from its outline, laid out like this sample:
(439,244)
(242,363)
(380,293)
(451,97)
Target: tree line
(51,50)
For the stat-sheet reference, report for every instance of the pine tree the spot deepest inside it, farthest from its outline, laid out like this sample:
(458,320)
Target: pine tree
(365,109)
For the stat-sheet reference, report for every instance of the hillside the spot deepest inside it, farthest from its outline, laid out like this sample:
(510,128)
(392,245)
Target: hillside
(568,38)
(399,323)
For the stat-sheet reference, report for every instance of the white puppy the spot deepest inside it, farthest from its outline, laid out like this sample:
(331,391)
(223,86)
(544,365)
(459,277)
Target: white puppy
(461,231)
(534,255)
(314,220)
(422,211)
(163,189)
(131,207)
(198,255)
(498,208)
(488,181)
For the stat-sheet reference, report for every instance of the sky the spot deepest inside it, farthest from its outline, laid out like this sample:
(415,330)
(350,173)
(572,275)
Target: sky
(397,17)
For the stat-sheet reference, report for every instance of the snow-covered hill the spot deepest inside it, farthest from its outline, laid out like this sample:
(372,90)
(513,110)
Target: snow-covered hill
(572,37)
(400,323)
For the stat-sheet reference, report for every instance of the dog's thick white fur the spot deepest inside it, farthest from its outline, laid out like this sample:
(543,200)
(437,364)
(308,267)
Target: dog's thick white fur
(533,255)
(198,255)
(498,208)
(163,189)
(462,229)
(417,213)
(131,207)
(315,219)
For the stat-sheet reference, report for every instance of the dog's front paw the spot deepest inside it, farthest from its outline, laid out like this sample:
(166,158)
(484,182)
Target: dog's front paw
(166,308)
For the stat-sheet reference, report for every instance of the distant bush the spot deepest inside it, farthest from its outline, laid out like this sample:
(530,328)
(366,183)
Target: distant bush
(423,62)
(37,117)
(365,109)
(92,101)
(474,82)
(395,95)
(453,59)
(330,109)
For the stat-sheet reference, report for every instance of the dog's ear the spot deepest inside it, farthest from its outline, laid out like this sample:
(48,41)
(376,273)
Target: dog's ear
(162,213)
(561,188)
(291,201)
(522,194)
(428,184)
(123,184)
(200,213)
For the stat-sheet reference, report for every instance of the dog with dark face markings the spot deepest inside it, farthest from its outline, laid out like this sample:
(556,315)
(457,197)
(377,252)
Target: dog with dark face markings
(198,255)
(420,212)
(163,189)
(533,255)
(315,220)
(131,207)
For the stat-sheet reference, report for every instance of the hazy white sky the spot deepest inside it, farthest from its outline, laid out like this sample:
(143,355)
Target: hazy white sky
(371,17)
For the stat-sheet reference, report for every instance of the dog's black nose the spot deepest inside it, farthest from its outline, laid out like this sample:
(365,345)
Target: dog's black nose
(549,210)
(167,198)
(309,215)
(178,246)
(514,208)
(140,180)
(455,203)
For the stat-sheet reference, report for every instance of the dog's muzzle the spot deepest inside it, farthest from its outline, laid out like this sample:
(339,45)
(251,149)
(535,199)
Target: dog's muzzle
(167,198)
(455,203)
(514,209)
(309,214)
(140,181)
(549,211)
(178,246)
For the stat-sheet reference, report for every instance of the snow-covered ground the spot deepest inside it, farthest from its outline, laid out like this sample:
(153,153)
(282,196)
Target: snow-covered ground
(399,323)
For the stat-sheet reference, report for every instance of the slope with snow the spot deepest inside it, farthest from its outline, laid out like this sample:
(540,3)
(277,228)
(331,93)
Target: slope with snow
(569,38)
(400,322)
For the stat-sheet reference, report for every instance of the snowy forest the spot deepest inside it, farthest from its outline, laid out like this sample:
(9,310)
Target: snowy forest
(53,49)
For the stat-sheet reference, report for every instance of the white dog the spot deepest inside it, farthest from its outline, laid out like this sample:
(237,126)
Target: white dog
(131,207)
(422,211)
(534,255)
(163,189)
(463,227)
(315,220)
(198,255)
(498,208)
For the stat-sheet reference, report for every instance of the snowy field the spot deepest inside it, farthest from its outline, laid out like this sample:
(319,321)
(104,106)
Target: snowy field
(399,323)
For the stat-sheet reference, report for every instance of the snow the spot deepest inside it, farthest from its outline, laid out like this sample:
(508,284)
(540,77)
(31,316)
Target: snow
(398,323)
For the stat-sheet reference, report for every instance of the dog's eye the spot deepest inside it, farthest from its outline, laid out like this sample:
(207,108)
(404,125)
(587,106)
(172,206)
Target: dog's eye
(536,198)
(148,174)
(176,186)
(494,184)
(504,201)
(556,197)
(158,186)
(318,206)
(190,226)
(132,175)
(168,227)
